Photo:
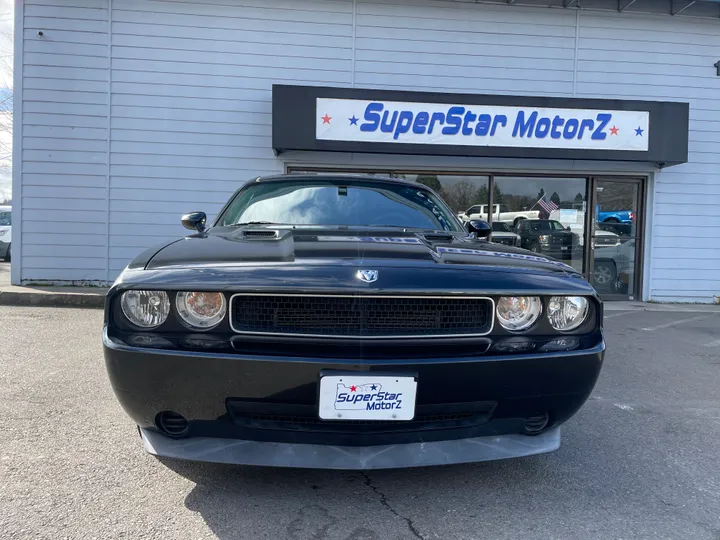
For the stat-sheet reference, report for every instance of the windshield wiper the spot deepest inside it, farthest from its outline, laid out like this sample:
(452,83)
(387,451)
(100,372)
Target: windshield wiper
(413,229)
(254,223)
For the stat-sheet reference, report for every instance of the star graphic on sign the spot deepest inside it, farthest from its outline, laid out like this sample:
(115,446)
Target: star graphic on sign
(373,387)
(613,130)
(353,388)
(326,119)
(639,131)
(353,120)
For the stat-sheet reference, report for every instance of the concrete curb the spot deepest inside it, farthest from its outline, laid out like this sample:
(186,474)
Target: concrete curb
(51,299)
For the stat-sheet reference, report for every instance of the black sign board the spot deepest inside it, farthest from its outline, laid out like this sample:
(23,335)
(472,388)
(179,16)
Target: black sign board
(315,118)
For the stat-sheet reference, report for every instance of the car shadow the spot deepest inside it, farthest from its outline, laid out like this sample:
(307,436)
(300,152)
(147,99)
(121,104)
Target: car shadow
(239,502)
(594,468)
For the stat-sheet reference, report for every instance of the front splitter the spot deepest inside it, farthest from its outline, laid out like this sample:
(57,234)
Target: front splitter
(317,456)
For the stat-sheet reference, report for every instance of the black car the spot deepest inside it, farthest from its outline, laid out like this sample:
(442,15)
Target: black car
(503,234)
(547,236)
(348,322)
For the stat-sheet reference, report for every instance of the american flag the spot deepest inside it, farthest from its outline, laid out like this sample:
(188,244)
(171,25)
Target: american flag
(549,207)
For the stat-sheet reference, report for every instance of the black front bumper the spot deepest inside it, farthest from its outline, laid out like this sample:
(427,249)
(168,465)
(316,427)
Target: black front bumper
(315,456)
(232,399)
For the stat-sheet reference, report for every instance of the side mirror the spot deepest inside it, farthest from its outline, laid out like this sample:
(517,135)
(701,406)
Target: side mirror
(481,228)
(195,221)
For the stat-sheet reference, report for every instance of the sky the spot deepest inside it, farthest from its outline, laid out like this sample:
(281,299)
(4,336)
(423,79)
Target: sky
(6,62)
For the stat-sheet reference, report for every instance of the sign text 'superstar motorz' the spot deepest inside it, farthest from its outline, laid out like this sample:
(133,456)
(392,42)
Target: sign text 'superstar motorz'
(369,397)
(480,125)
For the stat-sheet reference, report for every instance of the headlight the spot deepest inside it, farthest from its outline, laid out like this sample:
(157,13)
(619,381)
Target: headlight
(202,310)
(146,309)
(518,312)
(2,233)
(545,238)
(566,313)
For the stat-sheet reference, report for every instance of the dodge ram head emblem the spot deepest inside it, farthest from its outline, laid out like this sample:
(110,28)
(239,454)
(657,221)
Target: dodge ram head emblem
(368,276)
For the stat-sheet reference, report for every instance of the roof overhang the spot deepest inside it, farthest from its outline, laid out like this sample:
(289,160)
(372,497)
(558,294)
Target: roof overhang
(688,8)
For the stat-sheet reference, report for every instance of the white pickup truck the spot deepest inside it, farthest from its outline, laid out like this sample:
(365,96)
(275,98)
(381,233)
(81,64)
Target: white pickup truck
(501,213)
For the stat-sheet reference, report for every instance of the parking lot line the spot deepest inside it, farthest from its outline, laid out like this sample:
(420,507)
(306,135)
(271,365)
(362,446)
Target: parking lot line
(618,314)
(675,323)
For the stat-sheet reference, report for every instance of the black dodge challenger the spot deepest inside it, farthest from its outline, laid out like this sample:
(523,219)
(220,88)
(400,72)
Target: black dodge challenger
(348,322)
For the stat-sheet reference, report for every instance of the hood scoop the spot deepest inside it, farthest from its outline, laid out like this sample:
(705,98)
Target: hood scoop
(439,237)
(260,234)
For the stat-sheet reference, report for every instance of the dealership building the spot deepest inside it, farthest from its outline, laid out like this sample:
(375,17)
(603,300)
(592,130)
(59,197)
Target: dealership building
(602,114)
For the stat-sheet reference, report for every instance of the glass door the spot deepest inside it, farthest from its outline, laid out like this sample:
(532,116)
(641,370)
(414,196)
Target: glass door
(616,232)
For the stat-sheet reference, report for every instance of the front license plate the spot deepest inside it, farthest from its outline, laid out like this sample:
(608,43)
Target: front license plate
(367,397)
(565,248)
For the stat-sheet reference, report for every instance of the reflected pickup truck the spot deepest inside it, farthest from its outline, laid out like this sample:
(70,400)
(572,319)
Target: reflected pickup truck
(615,216)
(501,213)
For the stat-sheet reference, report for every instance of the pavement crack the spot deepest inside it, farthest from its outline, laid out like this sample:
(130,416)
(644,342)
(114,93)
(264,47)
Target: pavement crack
(386,504)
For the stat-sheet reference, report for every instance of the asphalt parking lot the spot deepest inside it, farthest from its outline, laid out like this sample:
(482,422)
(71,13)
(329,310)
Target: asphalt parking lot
(641,459)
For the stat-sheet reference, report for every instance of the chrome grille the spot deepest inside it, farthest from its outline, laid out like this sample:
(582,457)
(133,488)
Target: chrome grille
(606,240)
(361,316)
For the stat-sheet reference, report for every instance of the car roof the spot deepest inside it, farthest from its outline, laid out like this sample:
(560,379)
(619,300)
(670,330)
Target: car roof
(339,176)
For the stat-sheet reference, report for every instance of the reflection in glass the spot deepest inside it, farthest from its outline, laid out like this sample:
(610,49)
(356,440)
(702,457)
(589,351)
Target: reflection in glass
(548,213)
(614,271)
(616,217)
(462,193)
(617,207)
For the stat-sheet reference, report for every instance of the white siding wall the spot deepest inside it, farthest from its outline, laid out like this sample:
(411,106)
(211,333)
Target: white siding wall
(190,96)
(668,59)
(191,102)
(64,140)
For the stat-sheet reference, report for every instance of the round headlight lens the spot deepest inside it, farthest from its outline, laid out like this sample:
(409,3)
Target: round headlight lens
(518,312)
(566,313)
(146,309)
(202,310)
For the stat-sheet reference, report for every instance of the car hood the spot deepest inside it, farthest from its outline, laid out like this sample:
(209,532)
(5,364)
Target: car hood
(315,261)
(255,246)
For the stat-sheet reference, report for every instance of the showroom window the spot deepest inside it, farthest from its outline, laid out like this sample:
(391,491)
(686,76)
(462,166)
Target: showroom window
(600,237)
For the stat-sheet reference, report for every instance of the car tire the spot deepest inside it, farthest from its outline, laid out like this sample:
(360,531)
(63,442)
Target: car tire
(612,220)
(605,275)
(517,222)
(8,254)
(535,248)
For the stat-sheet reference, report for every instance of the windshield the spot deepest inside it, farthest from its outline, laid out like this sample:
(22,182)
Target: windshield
(5,218)
(499,226)
(340,202)
(547,225)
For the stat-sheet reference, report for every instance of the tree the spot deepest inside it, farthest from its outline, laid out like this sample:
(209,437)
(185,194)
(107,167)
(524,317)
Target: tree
(431,181)
(460,196)
(579,198)
(541,194)
(555,198)
(497,195)
(481,195)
